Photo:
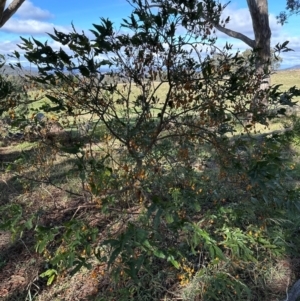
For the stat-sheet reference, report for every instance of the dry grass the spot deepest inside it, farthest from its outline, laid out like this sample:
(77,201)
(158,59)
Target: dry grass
(286,78)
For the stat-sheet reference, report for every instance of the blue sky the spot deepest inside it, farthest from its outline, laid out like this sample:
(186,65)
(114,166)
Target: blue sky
(35,17)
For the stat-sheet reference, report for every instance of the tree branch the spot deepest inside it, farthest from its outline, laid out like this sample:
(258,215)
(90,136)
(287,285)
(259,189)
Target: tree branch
(229,32)
(10,10)
(235,34)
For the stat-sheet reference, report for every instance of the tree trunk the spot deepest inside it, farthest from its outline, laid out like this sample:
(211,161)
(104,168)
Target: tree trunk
(262,34)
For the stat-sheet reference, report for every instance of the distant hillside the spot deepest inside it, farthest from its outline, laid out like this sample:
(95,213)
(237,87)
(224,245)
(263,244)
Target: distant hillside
(6,69)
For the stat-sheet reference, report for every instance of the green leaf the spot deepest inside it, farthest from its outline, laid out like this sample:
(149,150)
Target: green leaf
(51,279)
(54,99)
(29,224)
(114,255)
(169,218)
(174,262)
(41,246)
(16,54)
(64,57)
(51,274)
(55,38)
(159,254)
(84,71)
(284,44)
(28,44)
(219,252)
(38,43)
(211,251)
(79,265)
(156,221)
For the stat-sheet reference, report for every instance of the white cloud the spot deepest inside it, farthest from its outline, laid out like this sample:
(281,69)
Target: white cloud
(31,27)
(30,19)
(240,20)
(29,11)
(8,46)
(276,28)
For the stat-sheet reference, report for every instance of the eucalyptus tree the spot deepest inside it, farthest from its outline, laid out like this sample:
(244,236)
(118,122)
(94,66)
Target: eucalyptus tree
(210,11)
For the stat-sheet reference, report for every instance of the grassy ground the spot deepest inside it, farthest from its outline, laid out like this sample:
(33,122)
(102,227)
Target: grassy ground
(286,78)
(58,195)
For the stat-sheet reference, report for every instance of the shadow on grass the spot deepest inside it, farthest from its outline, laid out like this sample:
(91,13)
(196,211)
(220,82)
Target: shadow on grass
(63,172)
(20,269)
(20,264)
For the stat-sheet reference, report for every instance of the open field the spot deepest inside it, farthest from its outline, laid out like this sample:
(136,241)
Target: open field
(71,192)
(286,78)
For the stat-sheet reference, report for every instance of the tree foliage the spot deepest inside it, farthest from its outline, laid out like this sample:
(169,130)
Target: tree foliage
(12,94)
(248,56)
(292,8)
(275,59)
